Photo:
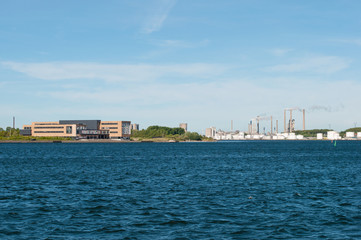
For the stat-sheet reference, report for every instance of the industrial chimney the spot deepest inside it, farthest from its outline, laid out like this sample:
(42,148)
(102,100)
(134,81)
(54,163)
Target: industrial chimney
(290,120)
(304,125)
(284,118)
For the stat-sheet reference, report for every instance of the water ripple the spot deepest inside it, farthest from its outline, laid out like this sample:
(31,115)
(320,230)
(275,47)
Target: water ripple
(239,190)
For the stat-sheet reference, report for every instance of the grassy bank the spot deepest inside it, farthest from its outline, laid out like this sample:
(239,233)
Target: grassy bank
(32,139)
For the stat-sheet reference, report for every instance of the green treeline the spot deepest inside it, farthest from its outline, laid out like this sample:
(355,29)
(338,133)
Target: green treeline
(165,132)
(355,130)
(313,132)
(9,132)
(13,134)
(157,132)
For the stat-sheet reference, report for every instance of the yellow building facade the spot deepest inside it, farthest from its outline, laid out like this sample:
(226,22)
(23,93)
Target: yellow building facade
(80,129)
(52,129)
(117,129)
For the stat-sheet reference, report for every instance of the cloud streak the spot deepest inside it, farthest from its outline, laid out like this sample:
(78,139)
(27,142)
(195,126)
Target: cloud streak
(179,43)
(323,65)
(116,72)
(355,41)
(280,52)
(160,13)
(316,108)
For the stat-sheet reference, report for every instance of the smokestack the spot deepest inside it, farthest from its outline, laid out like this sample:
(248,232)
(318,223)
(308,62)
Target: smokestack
(251,125)
(271,126)
(276,126)
(13,122)
(290,120)
(257,125)
(284,117)
(304,125)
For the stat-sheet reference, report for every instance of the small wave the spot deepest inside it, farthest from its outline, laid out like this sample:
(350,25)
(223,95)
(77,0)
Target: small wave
(111,229)
(175,222)
(240,232)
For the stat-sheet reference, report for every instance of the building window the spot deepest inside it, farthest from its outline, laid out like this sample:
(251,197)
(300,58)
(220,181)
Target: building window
(109,123)
(113,132)
(48,132)
(126,128)
(69,129)
(46,127)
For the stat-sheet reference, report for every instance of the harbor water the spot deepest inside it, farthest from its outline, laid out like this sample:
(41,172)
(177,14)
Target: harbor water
(216,190)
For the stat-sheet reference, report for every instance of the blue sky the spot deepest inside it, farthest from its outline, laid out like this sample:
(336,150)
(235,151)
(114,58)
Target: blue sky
(165,61)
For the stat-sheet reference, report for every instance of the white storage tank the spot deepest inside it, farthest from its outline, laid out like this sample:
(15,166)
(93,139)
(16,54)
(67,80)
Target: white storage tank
(319,136)
(299,137)
(333,135)
(291,136)
(350,134)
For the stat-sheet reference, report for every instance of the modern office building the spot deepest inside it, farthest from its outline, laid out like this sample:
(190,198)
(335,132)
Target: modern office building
(117,129)
(79,129)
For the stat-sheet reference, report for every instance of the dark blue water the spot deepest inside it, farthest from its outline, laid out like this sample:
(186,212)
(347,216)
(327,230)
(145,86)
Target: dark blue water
(238,190)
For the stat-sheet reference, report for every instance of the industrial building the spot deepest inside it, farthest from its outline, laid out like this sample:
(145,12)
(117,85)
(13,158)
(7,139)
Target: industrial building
(184,126)
(79,129)
(134,126)
(211,132)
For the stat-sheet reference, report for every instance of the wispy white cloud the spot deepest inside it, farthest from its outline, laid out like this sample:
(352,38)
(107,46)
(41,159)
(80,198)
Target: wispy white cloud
(203,102)
(180,43)
(356,41)
(115,72)
(160,12)
(328,108)
(324,64)
(280,52)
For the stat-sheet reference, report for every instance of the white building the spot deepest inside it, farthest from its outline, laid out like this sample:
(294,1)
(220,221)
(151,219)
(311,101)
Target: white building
(359,135)
(279,136)
(333,135)
(211,132)
(238,136)
(220,135)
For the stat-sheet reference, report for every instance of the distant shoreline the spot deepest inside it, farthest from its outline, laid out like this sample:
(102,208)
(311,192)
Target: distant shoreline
(157,141)
(94,141)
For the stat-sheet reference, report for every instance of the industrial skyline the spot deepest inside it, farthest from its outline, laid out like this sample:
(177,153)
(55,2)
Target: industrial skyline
(255,125)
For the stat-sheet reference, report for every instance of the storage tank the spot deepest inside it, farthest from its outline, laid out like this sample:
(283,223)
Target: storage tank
(350,134)
(319,136)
